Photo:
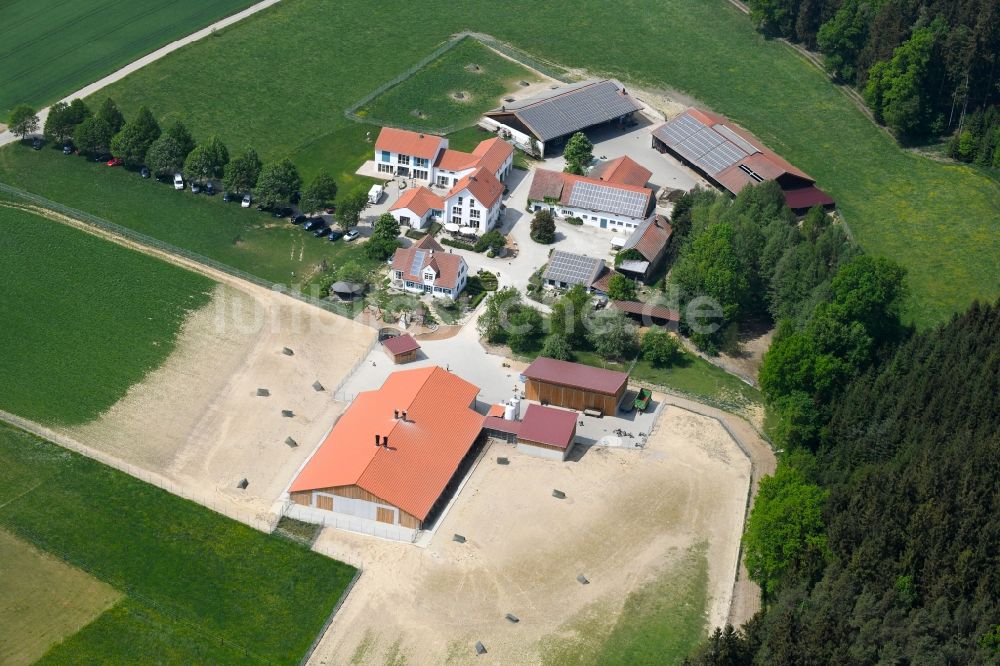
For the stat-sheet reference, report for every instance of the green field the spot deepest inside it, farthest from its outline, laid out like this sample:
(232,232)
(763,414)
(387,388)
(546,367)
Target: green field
(43,600)
(84,319)
(199,588)
(426,100)
(246,239)
(661,623)
(51,48)
(937,219)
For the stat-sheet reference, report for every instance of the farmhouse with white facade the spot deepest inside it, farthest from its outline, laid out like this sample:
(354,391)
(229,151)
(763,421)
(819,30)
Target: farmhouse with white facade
(426,268)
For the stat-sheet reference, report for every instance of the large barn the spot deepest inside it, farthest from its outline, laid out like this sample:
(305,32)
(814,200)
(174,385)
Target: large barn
(572,385)
(549,118)
(733,158)
(394,458)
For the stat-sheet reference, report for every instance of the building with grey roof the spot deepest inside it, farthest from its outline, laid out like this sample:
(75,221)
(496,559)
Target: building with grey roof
(566,270)
(554,115)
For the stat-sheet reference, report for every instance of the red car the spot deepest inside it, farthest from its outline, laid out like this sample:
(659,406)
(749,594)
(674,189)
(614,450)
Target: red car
(115,161)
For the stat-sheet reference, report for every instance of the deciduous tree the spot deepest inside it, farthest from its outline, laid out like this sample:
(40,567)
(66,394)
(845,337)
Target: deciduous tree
(349,209)
(578,153)
(22,121)
(543,227)
(277,182)
(243,172)
(660,348)
(320,192)
(165,156)
(621,288)
(93,136)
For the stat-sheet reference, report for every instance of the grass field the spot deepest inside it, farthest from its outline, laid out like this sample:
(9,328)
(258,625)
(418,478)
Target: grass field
(42,600)
(200,588)
(246,239)
(84,319)
(937,219)
(52,47)
(660,624)
(427,99)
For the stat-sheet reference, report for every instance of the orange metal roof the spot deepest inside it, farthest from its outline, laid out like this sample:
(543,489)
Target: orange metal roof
(419,200)
(623,170)
(424,451)
(409,143)
(496,410)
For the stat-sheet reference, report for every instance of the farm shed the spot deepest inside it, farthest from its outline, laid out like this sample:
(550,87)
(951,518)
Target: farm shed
(402,348)
(573,385)
(648,314)
(547,432)
(550,117)
(391,462)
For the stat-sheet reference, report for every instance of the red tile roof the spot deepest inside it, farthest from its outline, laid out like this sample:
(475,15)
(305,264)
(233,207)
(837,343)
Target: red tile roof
(576,375)
(482,185)
(549,426)
(650,237)
(496,410)
(603,281)
(456,160)
(409,143)
(492,153)
(623,170)
(548,184)
(445,264)
(419,200)
(401,344)
(423,452)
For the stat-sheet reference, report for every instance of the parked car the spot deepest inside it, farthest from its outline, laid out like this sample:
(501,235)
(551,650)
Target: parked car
(298,219)
(195,187)
(101,157)
(282,212)
(67,148)
(144,172)
(322,231)
(209,188)
(351,235)
(314,223)
(245,203)
(335,235)
(178,181)
(115,161)
(36,143)
(230,197)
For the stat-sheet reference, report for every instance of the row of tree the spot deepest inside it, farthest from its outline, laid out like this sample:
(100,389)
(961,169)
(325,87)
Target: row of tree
(751,258)
(922,64)
(141,141)
(881,544)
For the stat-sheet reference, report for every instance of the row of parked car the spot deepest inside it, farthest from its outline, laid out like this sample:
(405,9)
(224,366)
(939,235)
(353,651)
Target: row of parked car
(316,225)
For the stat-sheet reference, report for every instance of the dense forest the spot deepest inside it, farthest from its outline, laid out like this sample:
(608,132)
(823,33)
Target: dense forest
(879,542)
(925,67)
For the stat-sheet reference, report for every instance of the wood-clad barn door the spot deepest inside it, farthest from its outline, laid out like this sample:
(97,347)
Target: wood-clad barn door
(384,515)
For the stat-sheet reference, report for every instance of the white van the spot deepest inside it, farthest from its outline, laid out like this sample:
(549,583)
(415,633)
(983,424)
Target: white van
(375,194)
(178,181)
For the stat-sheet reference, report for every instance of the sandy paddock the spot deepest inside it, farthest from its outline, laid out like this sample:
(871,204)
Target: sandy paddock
(628,516)
(197,420)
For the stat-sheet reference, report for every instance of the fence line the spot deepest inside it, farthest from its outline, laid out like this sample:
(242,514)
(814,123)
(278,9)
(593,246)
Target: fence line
(329,620)
(143,239)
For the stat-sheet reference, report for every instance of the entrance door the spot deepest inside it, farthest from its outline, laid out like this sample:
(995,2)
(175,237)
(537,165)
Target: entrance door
(384,515)
(604,223)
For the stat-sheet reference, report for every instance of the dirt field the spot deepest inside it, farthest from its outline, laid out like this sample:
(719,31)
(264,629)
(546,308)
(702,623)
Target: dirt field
(628,517)
(198,420)
(43,600)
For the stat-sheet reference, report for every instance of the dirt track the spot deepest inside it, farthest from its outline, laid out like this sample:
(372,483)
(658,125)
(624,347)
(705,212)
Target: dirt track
(628,516)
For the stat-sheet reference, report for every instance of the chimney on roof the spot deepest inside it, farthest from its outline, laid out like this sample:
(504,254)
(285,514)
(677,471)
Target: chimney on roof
(385,442)
(421,136)
(376,439)
(395,414)
(404,414)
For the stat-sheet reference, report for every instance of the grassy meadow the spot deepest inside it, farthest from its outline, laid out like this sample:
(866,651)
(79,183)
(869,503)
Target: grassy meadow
(246,239)
(427,99)
(84,319)
(51,48)
(937,219)
(199,588)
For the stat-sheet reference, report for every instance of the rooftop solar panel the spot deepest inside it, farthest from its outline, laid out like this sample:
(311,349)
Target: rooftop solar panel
(702,145)
(418,262)
(573,268)
(608,199)
(577,109)
(744,145)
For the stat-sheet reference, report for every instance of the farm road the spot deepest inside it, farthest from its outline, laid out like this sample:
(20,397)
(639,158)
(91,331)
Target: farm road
(8,137)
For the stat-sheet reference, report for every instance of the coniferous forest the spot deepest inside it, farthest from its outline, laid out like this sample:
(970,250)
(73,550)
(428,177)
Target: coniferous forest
(880,544)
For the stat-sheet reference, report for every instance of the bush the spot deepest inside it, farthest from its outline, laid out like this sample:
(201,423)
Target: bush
(543,227)
(557,347)
(476,300)
(491,240)
(660,348)
(488,280)
(415,234)
(621,288)
(461,245)
(575,221)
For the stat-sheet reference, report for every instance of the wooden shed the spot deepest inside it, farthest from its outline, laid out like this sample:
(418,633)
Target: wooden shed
(402,348)
(575,386)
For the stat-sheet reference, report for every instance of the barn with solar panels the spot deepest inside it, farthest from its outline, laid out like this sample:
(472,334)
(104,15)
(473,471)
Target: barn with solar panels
(614,198)
(550,118)
(732,158)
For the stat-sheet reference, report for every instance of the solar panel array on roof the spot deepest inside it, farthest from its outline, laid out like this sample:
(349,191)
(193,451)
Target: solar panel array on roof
(707,147)
(573,268)
(608,199)
(418,262)
(574,110)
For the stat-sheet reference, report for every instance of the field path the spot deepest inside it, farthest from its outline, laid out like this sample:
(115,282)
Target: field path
(8,137)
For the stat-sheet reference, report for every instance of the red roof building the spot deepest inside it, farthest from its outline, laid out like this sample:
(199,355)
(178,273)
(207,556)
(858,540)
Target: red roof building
(617,204)
(547,432)
(574,385)
(733,158)
(425,267)
(402,348)
(394,452)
